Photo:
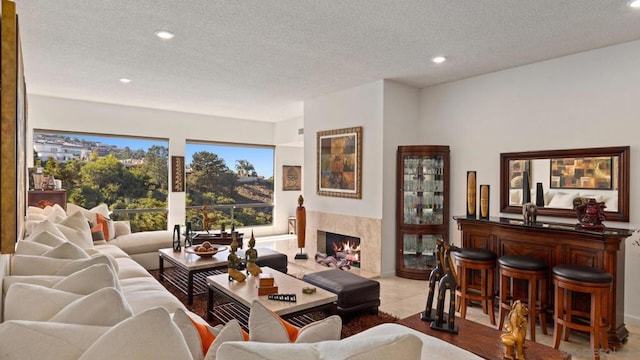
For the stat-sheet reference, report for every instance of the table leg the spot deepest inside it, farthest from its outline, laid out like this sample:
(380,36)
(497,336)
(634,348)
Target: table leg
(209,303)
(161,268)
(190,289)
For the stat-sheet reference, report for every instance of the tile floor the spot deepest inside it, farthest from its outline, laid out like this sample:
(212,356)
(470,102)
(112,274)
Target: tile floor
(404,297)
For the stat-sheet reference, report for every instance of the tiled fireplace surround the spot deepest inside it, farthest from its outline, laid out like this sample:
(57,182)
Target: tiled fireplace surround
(367,229)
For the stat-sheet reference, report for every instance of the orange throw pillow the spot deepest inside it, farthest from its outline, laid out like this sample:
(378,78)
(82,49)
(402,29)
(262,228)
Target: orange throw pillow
(103,221)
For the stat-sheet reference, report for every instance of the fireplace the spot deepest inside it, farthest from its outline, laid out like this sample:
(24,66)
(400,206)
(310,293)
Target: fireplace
(342,247)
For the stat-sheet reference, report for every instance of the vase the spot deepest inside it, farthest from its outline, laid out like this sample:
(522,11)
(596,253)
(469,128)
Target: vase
(526,188)
(484,202)
(471,194)
(539,195)
(176,238)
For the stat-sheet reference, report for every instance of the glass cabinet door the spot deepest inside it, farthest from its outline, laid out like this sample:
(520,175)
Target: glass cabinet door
(419,251)
(423,190)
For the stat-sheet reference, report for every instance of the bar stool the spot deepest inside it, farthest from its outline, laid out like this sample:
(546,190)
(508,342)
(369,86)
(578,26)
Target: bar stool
(582,279)
(532,270)
(484,261)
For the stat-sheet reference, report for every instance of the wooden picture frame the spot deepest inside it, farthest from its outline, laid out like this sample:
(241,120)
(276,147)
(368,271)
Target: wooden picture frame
(177,173)
(339,171)
(291,177)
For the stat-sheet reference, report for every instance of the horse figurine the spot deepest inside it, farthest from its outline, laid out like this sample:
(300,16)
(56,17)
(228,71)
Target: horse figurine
(529,213)
(516,327)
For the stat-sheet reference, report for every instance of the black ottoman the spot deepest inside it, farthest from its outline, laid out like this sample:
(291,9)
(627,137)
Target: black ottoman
(271,258)
(354,292)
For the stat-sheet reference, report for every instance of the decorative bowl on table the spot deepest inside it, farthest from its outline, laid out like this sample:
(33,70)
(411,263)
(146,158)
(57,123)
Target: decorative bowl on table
(205,249)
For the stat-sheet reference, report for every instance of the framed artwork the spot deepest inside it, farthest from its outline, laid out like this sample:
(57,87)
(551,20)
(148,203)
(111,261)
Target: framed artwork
(581,173)
(291,177)
(340,162)
(516,173)
(177,173)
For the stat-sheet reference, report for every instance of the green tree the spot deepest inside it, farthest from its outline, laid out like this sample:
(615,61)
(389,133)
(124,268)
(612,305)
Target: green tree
(155,166)
(209,174)
(245,168)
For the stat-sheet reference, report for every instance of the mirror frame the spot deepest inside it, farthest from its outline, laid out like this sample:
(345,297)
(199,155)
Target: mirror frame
(623,152)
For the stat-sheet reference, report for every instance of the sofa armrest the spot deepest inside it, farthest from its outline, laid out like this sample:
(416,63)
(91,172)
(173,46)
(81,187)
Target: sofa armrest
(122,227)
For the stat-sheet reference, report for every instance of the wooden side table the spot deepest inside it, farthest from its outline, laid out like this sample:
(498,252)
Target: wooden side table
(42,198)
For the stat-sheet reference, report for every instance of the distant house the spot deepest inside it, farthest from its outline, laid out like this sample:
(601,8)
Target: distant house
(60,151)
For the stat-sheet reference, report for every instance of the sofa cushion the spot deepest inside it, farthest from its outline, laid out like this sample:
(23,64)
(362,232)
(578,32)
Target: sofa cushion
(128,268)
(143,242)
(148,335)
(89,214)
(267,326)
(21,339)
(104,307)
(230,332)
(110,249)
(67,250)
(31,248)
(35,302)
(198,336)
(404,346)
(39,265)
(145,292)
(77,230)
(47,236)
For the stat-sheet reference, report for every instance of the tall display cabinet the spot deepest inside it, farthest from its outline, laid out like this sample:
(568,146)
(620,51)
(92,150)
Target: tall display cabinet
(422,208)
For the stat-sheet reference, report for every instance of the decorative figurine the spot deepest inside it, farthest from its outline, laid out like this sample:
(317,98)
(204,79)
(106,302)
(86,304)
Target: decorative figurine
(516,328)
(176,238)
(233,262)
(207,218)
(449,282)
(529,213)
(301,224)
(187,236)
(437,273)
(251,255)
(590,214)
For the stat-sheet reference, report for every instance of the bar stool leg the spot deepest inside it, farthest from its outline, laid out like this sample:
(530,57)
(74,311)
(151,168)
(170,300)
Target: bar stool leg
(503,300)
(558,315)
(533,292)
(544,295)
(463,295)
(491,276)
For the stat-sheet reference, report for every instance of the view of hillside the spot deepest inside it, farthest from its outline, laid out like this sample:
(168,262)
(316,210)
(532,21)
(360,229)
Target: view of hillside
(133,182)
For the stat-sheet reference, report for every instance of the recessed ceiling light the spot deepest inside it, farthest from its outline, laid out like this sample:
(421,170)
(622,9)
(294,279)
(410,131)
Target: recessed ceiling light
(125,80)
(438,59)
(634,4)
(165,35)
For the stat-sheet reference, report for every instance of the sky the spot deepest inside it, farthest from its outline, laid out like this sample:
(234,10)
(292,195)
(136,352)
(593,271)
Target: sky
(260,157)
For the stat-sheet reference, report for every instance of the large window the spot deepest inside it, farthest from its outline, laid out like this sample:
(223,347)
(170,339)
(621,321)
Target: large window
(128,174)
(229,185)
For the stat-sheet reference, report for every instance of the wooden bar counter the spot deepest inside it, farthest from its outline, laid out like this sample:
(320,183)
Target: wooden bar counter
(556,244)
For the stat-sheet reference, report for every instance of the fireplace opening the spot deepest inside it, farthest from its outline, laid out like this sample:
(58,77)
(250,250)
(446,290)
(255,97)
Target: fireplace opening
(343,247)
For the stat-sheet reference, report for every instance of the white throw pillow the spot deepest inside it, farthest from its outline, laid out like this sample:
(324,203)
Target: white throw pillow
(39,265)
(35,302)
(191,334)
(392,346)
(67,250)
(56,210)
(31,248)
(148,335)
(230,332)
(47,237)
(562,200)
(105,307)
(45,340)
(89,214)
(46,225)
(88,280)
(267,326)
(77,230)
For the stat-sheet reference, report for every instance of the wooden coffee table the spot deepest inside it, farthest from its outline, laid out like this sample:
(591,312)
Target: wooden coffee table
(242,294)
(482,340)
(189,271)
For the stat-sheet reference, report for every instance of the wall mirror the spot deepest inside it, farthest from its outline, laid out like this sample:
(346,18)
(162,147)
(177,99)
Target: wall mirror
(563,175)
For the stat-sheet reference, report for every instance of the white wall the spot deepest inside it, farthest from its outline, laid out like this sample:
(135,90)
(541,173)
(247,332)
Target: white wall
(584,100)
(50,113)
(360,106)
(286,201)
(389,115)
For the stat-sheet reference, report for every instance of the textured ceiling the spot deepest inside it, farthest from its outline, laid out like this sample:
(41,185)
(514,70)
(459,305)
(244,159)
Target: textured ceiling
(260,59)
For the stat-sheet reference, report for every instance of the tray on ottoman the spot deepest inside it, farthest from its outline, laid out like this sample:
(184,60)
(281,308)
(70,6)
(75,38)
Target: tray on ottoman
(354,292)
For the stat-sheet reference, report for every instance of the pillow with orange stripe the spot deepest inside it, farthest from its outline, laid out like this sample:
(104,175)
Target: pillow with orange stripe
(267,326)
(204,340)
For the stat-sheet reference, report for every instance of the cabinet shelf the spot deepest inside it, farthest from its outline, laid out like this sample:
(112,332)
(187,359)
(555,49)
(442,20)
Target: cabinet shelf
(422,207)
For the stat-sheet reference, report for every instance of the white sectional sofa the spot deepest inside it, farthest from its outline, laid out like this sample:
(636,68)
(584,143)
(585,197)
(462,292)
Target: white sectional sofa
(68,298)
